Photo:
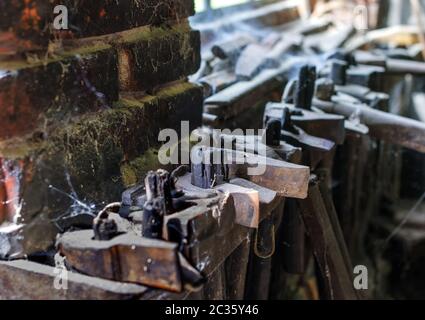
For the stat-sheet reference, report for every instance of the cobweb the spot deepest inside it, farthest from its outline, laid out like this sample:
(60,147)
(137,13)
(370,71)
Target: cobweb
(78,206)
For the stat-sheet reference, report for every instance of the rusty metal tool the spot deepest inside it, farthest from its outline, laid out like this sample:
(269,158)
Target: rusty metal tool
(133,249)
(315,151)
(216,82)
(297,237)
(285,178)
(262,248)
(301,92)
(231,48)
(391,65)
(267,237)
(384,126)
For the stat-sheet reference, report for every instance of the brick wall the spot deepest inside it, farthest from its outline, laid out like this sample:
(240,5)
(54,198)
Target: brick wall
(81,109)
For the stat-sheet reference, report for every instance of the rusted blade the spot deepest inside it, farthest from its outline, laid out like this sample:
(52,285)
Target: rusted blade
(246,200)
(287,179)
(284,151)
(269,199)
(126,258)
(247,204)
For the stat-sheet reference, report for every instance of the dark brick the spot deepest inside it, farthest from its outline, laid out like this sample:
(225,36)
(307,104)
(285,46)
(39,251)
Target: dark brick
(87,164)
(165,57)
(34,96)
(31,97)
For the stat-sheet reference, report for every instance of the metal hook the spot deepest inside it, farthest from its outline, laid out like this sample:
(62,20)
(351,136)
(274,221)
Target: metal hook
(256,251)
(288,93)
